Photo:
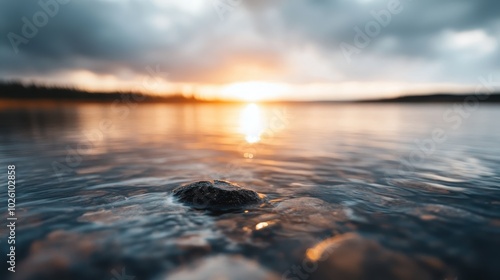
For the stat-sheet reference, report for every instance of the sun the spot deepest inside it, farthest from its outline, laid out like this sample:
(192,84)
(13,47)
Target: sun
(253,91)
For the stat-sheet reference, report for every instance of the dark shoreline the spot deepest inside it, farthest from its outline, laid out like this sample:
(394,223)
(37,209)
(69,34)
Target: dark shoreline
(18,93)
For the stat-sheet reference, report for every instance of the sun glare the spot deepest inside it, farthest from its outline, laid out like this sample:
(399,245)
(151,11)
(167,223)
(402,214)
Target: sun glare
(251,123)
(253,91)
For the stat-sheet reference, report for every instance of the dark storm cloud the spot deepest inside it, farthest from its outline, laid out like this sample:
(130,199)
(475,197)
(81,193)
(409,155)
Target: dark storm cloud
(100,33)
(103,36)
(332,21)
(194,44)
(415,33)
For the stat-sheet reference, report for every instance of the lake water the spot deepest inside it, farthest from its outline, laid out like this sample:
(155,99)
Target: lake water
(395,191)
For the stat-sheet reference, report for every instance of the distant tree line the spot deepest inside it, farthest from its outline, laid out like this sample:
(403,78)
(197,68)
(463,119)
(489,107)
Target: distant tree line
(19,91)
(439,98)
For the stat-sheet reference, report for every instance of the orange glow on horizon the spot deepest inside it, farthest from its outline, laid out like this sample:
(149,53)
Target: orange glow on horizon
(253,91)
(243,90)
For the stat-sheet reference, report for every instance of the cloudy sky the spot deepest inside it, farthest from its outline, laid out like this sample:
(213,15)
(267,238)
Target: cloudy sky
(253,49)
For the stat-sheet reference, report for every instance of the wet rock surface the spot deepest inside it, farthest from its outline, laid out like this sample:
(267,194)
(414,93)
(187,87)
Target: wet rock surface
(308,214)
(351,257)
(224,267)
(216,195)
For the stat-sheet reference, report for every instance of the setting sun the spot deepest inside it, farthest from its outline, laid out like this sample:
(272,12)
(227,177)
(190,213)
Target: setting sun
(253,91)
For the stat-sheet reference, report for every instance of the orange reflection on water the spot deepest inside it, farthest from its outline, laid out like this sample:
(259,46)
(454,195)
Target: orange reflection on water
(252,123)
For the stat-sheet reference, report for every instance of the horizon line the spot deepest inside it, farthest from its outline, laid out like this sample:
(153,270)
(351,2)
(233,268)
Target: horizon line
(31,91)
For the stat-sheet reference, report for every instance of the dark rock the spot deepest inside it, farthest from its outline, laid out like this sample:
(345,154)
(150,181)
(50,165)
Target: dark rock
(216,195)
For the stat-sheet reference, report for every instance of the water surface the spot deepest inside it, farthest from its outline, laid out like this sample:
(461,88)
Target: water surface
(94,182)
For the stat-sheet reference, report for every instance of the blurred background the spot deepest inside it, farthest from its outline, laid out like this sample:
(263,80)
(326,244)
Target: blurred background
(253,50)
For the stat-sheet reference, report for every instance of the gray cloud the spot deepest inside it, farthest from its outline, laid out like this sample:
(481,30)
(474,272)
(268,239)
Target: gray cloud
(193,45)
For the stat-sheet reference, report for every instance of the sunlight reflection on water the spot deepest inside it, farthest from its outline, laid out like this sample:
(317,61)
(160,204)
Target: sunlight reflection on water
(252,123)
(332,171)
